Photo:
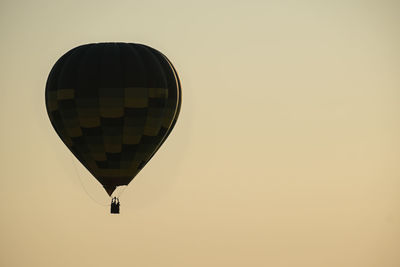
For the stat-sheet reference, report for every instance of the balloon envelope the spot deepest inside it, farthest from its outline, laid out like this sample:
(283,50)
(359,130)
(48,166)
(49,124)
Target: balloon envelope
(113,105)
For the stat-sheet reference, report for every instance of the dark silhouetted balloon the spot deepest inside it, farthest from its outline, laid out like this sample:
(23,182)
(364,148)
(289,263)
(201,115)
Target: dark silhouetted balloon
(113,105)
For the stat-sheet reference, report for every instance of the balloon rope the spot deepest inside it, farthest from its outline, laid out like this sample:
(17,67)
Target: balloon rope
(84,188)
(119,191)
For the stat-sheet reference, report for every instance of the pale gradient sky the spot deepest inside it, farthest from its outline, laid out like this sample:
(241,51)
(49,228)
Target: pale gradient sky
(286,152)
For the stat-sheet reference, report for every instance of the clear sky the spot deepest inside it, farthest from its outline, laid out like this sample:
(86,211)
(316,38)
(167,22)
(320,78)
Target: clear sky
(286,152)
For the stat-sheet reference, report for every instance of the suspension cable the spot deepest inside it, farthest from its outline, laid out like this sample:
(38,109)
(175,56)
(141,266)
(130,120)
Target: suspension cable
(84,188)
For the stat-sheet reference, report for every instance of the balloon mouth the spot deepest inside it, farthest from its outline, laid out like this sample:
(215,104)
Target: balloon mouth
(109,189)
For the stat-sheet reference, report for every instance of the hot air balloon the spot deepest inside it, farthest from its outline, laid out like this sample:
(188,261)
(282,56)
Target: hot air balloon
(113,105)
